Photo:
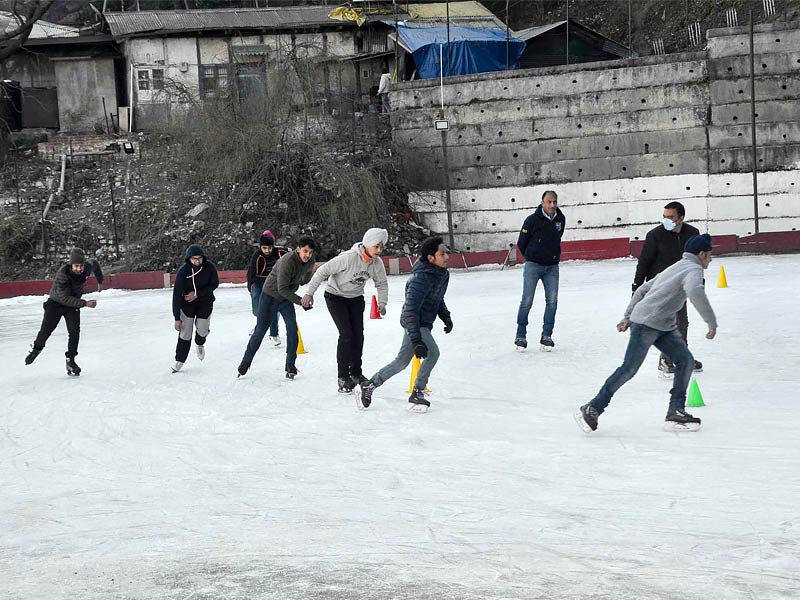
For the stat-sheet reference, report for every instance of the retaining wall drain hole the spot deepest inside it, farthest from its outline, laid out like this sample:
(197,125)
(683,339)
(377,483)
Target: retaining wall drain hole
(778,40)
(485,111)
(536,173)
(730,68)
(606,147)
(636,237)
(538,85)
(467,247)
(519,108)
(740,91)
(581,171)
(579,125)
(690,71)
(688,188)
(767,204)
(505,87)
(455,225)
(674,119)
(756,115)
(763,66)
(644,101)
(783,87)
(574,81)
(500,133)
(458,179)
(494,224)
(473,199)
(619,219)
(513,199)
(722,161)
(558,151)
(515,155)
(580,222)
(459,136)
(784,136)
(598,97)
(760,160)
(671,164)
(594,194)
(735,118)
(499,177)
(556,105)
(478,158)
(728,183)
(644,191)
(434,201)
(624,168)
(739,134)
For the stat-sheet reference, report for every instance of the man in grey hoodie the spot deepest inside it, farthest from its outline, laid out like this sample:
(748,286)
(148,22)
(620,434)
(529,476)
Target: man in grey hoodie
(347,274)
(651,317)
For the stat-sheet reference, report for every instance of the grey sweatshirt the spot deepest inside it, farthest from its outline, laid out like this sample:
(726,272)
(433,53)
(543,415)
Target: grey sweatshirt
(656,302)
(347,275)
(288,274)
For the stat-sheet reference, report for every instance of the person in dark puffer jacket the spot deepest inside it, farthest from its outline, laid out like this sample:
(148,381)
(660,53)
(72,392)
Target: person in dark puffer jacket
(425,291)
(192,303)
(261,264)
(65,301)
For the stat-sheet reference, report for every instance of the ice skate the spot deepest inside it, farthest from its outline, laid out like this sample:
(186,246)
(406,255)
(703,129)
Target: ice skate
(417,402)
(698,367)
(177,366)
(358,379)
(680,420)
(201,351)
(666,368)
(291,372)
(586,417)
(73,368)
(275,339)
(520,344)
(546,343)
(242,369)
(32,355)
(363,393)
(345,385)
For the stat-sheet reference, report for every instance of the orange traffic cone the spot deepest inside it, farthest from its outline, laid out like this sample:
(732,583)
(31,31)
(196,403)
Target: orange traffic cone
(374,313)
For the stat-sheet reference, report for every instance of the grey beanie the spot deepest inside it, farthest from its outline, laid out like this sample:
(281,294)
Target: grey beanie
(77,256)
(375,236)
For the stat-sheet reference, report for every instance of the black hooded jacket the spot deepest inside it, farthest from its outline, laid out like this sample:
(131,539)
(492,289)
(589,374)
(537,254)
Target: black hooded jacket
(202,280)
(540,238)
(661,249)
(67,287)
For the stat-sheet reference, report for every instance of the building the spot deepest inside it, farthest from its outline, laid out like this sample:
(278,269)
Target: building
(546,45)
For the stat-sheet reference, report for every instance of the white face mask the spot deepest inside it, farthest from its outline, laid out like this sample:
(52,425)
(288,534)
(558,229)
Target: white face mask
(668,224)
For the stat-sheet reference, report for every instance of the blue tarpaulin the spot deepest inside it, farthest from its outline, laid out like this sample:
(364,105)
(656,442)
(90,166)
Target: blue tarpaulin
(471,50)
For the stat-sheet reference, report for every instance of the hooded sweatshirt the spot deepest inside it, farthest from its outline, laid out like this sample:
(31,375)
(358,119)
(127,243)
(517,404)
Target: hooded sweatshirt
(202,280)
(67,287)
(347,275)
(656,303)
(425,291)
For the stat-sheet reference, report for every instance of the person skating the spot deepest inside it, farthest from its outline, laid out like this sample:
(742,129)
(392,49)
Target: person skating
(65,301)
(540,243)
(279,296)
(424,301)
(347,274)
(193,303)
(261,264)
(663,247)
(651,317)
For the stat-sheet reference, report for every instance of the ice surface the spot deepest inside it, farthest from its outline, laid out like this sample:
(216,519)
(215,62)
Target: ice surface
(132,482)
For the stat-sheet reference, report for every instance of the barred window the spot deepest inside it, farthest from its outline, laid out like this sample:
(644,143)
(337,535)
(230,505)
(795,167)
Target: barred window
(143,78)
(213,81)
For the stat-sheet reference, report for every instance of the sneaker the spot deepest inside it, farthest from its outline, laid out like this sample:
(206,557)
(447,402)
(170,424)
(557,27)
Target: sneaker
(418,402)
(586,417)
(291,372)
(345,385)
(177,366)
(521,343)
(680,420)
(32,355)
(698,366)
(363,392)
(201,351)
(275,339)
(546,343)
(242,369)
(73,368)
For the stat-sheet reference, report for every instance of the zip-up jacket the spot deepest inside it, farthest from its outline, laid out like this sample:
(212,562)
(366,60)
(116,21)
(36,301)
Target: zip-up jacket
(202,280)
(656,302)
(347,274)
(540,238)
(261,265)
(67,287)
(661,249)
(288,274)
(425,291)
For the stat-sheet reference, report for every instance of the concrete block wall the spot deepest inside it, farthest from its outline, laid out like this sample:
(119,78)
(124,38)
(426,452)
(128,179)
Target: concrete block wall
(617,140)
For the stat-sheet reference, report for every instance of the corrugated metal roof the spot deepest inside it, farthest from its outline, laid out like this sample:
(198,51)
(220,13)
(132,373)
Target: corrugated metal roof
(173,21)
(469,8)
(41,29)
(532,32)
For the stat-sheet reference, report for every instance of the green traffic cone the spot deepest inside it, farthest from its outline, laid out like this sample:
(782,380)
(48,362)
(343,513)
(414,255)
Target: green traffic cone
(695,397)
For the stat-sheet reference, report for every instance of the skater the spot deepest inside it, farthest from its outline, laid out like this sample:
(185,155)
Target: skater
(663,247)
(651,317)
(192,303)
(65,301)
(425,291)
(261,264)
(279,296)
(540,243)
(347,274)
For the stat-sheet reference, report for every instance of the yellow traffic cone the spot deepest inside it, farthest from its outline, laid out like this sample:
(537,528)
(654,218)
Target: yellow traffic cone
(300,348)
(415,364)
(722,281)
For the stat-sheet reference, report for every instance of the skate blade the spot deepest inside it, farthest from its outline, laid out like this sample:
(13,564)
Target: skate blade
(578,415)
(417,408)
(669,426)
(666,376)
(546,348)
(520,348)
(290,377)
(359,403)
(71,374)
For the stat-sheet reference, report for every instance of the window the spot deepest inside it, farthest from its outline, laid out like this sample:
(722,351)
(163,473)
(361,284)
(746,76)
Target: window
(144,79)
(213,81)
(158,79)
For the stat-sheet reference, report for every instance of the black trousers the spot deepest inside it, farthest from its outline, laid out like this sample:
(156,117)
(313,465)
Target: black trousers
(348,315)
(53,311)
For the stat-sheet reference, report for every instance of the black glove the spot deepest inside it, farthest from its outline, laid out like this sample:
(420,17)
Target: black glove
(420,350)
(448,325)
(634,287)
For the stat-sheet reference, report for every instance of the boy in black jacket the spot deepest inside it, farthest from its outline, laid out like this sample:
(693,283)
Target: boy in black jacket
(261,264)
(192,303)
(540,244)
(65,301)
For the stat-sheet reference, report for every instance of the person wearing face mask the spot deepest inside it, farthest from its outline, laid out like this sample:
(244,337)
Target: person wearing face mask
(663,247)
(347,274)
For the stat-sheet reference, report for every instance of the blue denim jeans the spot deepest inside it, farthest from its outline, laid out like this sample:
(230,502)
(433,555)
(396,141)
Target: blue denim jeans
(268,310)
(531,274)
(256,291)
(404,356)
(642,338)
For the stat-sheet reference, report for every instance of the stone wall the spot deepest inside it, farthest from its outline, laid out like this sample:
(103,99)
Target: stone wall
(617,140)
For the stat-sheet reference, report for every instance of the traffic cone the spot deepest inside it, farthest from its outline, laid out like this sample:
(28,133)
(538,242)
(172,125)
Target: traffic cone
(695,397)
(722,281)
(415,364)
(374,313)
(300,348)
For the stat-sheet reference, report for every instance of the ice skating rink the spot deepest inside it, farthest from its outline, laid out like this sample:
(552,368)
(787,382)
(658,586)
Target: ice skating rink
(130,482)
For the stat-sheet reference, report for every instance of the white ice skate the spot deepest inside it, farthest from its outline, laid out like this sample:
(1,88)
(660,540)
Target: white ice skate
(678,427)
(546,344)
(177,366)
(276,340)
(417,408)
(201,352)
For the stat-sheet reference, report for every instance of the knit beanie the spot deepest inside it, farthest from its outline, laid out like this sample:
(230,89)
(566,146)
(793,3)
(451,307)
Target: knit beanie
(698,243)
(77,256)
(266,239)
(375,236)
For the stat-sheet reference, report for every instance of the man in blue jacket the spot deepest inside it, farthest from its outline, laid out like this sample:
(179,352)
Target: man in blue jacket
(425,291)
(540,243)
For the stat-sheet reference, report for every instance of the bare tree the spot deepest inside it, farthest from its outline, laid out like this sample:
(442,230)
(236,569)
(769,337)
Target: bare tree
(14,32)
